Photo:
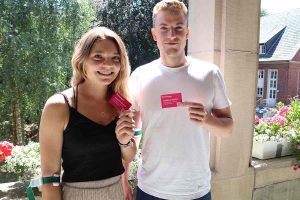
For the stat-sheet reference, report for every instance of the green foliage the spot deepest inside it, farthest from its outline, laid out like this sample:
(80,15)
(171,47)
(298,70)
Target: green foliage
(132,173)
(295,148)
(264,12)
(24,161)
(36,43)
(294,116)
(294,119)
(280,105)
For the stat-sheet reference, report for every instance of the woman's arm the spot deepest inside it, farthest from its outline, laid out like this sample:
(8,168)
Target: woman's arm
(128,193)
(124,132)
(53,121)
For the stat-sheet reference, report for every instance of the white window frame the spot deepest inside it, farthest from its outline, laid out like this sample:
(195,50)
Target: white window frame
(262,49)
(260,83)
(272,87)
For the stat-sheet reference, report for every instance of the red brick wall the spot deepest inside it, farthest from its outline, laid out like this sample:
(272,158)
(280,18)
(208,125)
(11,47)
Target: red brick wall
(282,85)
(294,79)
(297,56)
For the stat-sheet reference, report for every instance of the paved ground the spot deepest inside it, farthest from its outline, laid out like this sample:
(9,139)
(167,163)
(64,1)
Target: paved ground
(15,190)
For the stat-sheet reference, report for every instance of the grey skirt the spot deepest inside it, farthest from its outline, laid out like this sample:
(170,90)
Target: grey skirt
(108,189)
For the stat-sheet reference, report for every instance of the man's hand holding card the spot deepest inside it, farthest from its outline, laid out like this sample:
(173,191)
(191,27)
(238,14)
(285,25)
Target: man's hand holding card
(197,111)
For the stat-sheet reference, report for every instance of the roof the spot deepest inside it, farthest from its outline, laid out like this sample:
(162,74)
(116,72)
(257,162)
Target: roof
(284,29)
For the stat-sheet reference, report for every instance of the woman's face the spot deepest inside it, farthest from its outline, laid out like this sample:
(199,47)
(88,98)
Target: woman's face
(104,62)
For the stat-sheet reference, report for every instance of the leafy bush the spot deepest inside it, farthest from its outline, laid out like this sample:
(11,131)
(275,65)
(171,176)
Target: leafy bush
(24,161)
(132,173)
(294,120)
(283,126)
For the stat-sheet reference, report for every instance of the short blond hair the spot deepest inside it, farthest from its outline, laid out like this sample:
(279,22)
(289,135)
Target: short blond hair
(82,51)
(169,5)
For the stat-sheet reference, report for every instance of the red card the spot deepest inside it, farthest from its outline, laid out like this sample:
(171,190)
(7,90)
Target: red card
(170,100)
(119,102)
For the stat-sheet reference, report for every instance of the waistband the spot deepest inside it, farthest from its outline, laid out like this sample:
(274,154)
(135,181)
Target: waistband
(93,184)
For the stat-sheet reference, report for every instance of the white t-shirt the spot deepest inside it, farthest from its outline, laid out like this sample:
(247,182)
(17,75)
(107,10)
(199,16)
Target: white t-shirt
(175,152)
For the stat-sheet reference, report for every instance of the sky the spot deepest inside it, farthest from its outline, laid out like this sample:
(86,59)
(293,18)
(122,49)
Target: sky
(276,6)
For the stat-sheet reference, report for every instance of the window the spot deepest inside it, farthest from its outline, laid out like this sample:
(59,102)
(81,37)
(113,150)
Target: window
(259,92)
(262,49)
(260,83)
(272,86)
(260,73)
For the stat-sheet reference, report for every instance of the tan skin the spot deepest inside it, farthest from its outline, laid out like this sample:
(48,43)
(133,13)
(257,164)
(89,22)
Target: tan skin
(171,32)
(128,193)
(102,67)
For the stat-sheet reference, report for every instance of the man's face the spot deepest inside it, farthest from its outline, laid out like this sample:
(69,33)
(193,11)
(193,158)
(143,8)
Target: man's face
(170,32)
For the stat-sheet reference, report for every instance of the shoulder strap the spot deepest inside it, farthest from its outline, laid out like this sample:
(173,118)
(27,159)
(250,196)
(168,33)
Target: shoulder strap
(66,99)
(75,96)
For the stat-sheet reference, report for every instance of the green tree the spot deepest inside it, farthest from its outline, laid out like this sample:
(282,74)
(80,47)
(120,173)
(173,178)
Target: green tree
(264,12)
(36,43)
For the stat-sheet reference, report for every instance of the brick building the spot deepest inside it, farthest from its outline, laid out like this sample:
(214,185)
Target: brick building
(279,57)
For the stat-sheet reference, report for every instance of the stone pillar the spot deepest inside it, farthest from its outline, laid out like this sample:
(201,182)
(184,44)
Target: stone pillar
(226,33)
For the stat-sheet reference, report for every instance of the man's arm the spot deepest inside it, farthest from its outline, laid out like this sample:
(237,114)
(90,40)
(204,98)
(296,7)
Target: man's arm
(219,122)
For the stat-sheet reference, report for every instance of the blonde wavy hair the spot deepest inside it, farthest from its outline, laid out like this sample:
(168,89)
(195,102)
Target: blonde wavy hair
(82,52)
(169,5)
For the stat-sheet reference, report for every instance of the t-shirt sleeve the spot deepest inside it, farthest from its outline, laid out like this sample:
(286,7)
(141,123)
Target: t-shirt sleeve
(134,89)
(220,97)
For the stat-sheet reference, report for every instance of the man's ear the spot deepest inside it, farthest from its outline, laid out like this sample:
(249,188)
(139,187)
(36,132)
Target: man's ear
(153,34)
(187,33)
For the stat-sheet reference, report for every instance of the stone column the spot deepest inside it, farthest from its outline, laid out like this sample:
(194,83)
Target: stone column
(226,33)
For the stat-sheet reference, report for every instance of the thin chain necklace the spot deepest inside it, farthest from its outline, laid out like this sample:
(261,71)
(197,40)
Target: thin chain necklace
(104,112)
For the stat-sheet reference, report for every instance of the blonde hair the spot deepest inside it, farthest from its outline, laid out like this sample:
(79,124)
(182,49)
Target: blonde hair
(82,52)
(169,5)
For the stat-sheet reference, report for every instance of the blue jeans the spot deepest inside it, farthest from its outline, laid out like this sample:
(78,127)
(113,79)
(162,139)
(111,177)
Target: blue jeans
(140,195)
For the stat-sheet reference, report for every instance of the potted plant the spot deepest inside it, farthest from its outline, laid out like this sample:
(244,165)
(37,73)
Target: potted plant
(272,135)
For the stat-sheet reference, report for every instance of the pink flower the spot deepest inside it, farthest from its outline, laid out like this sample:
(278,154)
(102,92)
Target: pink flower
(268,120)
(256,119)
(275,119)
(297,146)
(284,110)
(295,168)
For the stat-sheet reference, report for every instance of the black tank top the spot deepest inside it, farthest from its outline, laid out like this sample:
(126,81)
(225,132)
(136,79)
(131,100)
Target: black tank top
(90,151)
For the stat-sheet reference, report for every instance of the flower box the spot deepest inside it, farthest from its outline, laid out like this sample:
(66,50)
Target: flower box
(270,149)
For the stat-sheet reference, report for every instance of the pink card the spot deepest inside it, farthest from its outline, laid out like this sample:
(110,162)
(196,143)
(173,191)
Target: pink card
(170,100)
(119,102)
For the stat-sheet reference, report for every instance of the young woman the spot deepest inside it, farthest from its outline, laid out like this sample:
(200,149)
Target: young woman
(80,131)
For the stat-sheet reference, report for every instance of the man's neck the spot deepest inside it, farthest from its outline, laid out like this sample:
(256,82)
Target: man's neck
(173,62)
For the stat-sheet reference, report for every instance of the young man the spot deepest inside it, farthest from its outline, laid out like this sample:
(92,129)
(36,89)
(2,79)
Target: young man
(175,152)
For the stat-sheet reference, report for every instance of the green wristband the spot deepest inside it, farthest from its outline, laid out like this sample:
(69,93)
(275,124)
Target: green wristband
(55,180)
(138,132)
